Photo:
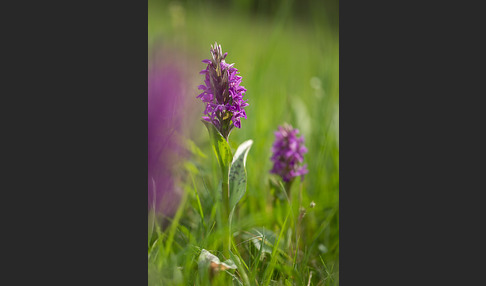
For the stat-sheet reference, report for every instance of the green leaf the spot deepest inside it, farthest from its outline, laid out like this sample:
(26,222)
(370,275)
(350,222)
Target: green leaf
(191,146)
(237,174)
(241,268)
(265,238)
(273,262)
(221,148)
(151,215)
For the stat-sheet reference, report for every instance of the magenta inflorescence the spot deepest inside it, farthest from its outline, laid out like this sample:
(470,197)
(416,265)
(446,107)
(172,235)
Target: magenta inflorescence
(222,93)
(288,153)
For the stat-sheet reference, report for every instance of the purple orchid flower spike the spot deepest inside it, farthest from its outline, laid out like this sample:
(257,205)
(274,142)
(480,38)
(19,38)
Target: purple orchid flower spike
(222,93)
(288,154)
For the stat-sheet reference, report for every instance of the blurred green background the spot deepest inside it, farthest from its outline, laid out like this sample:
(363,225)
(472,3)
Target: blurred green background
(288,55)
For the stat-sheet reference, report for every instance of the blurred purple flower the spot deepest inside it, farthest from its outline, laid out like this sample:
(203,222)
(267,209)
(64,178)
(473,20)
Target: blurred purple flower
(166,103)
(288,154)
(222,93)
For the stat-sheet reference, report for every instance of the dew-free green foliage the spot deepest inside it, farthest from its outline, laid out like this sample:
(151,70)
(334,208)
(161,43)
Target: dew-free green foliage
(237,174)
(221,149)
(290,66)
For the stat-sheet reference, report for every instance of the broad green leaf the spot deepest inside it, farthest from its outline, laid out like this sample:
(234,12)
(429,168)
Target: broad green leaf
(237,174)
(262,237)
(221,148)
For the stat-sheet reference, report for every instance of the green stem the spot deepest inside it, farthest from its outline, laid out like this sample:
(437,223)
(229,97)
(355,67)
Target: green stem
(222,151)
(226,211)
(287,186)
(225,218)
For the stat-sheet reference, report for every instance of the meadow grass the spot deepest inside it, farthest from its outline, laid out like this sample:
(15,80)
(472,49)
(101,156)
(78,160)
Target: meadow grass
(291,71)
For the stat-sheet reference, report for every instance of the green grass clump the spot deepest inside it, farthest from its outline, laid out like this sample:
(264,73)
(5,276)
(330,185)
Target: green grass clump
(290,67)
